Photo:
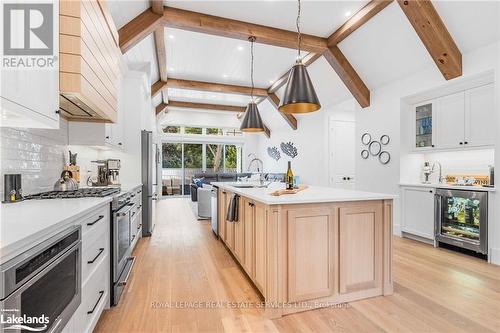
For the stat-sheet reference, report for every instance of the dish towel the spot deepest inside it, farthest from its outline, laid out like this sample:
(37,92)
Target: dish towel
(232,211)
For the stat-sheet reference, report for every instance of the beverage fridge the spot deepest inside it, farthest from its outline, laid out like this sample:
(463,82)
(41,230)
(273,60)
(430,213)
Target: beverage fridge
(150,170)
(462,219)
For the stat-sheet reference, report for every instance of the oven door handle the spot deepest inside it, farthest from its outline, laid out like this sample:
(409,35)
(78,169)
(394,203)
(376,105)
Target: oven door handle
(124,211)
(124,282)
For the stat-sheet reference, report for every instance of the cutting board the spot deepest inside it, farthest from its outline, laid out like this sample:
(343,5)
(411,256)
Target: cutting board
(277,193)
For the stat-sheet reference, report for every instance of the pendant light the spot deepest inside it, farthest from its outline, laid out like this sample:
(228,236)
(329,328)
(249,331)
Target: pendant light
(252,122)
(299,96)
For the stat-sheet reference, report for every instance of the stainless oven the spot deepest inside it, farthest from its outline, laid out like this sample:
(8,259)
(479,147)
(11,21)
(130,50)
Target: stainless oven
(462,219)
(122,238)
(41,288)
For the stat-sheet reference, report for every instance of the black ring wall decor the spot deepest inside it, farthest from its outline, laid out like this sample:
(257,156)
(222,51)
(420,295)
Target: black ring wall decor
(385,139)
(375,148)
(366,139)
(365,154)
(384,157)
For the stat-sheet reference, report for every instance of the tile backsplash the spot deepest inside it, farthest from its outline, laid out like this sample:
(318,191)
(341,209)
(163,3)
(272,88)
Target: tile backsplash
(38,154)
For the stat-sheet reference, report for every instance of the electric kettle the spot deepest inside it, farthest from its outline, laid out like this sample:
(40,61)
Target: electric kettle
(66,182)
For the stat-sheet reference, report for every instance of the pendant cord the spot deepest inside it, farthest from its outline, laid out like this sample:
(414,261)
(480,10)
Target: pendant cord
(251,70)
(299,35)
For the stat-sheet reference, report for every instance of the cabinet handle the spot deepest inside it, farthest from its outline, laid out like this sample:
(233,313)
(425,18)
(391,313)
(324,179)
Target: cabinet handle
(461,143)
(432,146)
(139,226)
(57,111)
(101,293)
(100,218)
(119,143)
(101,250)
(430,191)
(466,143)
(344,178)
(107,136)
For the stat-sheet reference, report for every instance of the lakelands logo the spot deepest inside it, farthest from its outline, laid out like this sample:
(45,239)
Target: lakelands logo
(33,324)
(28,35)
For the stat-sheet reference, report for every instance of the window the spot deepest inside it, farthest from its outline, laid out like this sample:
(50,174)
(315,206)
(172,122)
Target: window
(234,132)
(172,129)
(230,158)
(182,160)
(214,157)
(193,130)
(214,131)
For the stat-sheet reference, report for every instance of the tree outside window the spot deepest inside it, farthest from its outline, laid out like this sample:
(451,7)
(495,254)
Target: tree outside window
(172,129)
(214,157)
(193,130)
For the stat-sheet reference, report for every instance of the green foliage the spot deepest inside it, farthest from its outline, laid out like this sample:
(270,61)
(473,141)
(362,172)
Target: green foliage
(231,157)
(171,129)
(193,130)
(172,155)
(193,156)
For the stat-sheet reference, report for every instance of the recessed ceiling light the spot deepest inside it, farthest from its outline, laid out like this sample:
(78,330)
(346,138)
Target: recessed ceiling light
(224,76)
(240,48)
(348,13)
(271,81)
(171,36)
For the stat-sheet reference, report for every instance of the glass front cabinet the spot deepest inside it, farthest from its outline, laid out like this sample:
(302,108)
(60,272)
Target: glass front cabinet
(424,116)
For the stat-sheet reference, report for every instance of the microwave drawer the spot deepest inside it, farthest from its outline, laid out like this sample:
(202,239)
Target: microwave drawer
(95,220)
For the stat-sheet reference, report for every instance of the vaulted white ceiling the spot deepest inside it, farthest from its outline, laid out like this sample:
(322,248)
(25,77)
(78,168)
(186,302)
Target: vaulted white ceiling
(386,48)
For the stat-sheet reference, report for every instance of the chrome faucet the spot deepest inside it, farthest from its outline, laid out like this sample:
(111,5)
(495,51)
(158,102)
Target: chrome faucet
(440,179)
(258,160)
(260,170)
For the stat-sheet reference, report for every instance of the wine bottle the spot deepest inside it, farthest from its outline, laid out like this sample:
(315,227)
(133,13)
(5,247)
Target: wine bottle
(289,177)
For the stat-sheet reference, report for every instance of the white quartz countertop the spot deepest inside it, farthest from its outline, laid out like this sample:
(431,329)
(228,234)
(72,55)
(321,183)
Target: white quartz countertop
(26,223)
(313,194)
(447,186)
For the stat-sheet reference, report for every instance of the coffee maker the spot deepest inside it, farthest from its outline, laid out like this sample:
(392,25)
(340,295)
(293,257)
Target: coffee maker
(108,173)
(113,167)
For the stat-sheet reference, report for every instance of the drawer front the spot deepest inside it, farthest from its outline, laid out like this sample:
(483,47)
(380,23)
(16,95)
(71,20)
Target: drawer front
(95,297)
(95,220)
(94,251)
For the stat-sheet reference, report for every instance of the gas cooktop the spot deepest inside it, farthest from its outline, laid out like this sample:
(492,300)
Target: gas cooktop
(80,193)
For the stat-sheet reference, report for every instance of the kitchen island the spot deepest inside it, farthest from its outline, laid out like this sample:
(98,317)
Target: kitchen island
(319,247)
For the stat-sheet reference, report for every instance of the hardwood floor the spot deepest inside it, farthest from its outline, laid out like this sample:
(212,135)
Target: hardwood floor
(435,290)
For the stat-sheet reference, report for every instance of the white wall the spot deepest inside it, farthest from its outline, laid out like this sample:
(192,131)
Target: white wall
(383,117)
(310,138)
(495,227)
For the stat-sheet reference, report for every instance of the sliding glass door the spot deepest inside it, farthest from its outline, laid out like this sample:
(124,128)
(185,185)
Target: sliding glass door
(181,161)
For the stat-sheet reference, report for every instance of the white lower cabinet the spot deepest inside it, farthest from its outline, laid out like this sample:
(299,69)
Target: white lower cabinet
(418,211)
(95,293)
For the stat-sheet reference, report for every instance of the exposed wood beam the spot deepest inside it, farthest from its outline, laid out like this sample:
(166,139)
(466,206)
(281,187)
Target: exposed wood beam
(220,26)
(161,107)
(161,49)
(290,119)
(307,60)
(215,87)
(157,6)
(267,132)
(357,20)
(348,75)
(141,26)
(157,87)
(205,106)
(436,38)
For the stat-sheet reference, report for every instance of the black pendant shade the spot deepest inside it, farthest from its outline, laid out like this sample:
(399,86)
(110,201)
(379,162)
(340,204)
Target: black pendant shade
(299,96)
(252,122)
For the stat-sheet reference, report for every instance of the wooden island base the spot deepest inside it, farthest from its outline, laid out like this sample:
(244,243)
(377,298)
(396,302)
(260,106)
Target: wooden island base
(306,256)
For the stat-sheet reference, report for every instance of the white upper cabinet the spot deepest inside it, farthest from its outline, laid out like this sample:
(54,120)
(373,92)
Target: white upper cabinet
(450,117)
(460,120)
(479,116)
(30,97)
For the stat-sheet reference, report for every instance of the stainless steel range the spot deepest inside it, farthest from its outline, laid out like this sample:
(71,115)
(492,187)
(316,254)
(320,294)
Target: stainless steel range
(122,237)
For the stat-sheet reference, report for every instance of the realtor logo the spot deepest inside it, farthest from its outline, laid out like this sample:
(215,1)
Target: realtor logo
(28,29)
